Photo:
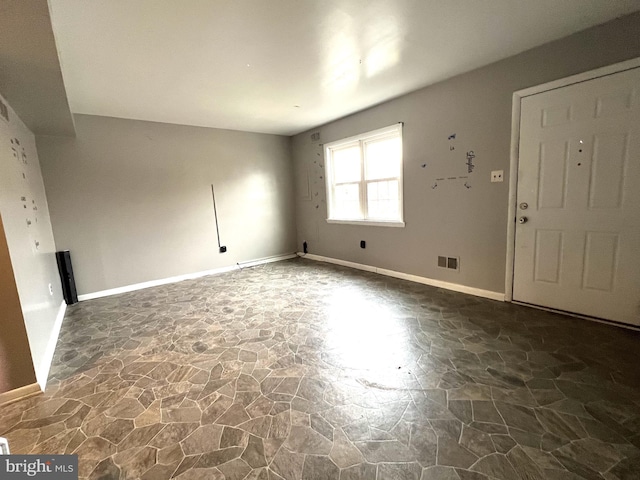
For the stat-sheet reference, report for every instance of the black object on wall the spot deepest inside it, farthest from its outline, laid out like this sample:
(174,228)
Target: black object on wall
(66,277)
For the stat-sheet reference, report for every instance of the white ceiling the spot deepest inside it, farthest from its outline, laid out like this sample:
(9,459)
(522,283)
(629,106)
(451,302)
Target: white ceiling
(284,66)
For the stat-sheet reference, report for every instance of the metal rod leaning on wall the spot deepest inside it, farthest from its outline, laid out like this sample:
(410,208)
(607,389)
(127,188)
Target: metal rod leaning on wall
(221,248)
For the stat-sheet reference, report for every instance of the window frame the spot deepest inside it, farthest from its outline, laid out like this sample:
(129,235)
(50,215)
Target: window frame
(392,131)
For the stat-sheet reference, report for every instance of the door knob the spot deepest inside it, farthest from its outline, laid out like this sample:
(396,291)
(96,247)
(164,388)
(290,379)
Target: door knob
(522,220)
(524,206)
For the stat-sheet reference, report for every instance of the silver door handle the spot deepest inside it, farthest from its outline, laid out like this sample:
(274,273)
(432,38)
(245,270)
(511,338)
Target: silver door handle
(522,220)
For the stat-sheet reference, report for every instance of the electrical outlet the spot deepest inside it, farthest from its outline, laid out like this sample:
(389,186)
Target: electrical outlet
(497,176)
(223,249)
(50,289)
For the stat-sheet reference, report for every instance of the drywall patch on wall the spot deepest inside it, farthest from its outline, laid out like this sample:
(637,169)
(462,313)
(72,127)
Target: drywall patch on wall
(311,185)
(317,178)
(454,166)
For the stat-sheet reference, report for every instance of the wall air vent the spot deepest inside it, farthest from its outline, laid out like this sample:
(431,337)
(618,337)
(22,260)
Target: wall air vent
(4,110)
(452,263)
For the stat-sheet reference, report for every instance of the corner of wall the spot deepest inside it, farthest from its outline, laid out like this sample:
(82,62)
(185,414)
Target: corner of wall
(42,370)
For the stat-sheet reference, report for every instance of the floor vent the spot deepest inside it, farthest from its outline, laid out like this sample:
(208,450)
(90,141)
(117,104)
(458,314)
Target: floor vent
(451,263)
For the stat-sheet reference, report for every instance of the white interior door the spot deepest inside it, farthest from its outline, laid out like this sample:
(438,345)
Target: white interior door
(577,243)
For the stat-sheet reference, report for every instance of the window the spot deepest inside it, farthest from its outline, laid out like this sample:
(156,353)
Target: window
(364,178)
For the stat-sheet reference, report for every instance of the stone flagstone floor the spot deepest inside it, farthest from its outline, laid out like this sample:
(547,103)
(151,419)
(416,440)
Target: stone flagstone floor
(302,370)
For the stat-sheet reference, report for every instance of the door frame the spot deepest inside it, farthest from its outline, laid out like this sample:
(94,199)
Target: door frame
(515,154)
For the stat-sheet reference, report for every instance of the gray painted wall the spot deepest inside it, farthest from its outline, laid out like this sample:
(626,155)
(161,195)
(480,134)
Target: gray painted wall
(25,215)
(132,200)
(470,223)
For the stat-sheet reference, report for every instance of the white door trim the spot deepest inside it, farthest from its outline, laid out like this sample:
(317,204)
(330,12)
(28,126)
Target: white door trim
(515,141)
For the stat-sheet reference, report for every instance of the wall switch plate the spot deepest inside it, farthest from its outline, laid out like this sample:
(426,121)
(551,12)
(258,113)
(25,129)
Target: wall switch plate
(497,176)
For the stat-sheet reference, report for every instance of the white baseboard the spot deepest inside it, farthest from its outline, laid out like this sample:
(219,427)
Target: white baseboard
(153,283)
(42,371)
(478,292)
(19,394)
(336,261)
(180,278)
(261,261)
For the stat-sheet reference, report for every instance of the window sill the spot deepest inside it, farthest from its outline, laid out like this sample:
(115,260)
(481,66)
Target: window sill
(368,223)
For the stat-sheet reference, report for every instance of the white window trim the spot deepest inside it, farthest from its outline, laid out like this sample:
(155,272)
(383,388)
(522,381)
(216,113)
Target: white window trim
(370,223)
(360,140)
